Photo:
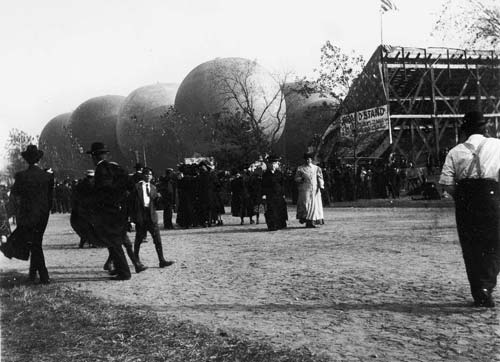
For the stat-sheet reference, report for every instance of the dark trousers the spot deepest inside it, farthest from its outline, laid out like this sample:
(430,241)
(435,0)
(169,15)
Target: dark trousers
(110,226)
(141,231)
(478,223)
(167,217)
(117,255)
(130,252)
(37,259)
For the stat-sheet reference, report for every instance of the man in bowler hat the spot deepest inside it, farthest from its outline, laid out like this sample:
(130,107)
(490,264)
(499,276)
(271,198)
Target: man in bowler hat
(471,174)
(32,194)
(110,207)
(144,215)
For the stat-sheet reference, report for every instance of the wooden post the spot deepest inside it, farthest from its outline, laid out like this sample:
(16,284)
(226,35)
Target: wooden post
(478,85)
(434,112)
(412,135)
(355,139)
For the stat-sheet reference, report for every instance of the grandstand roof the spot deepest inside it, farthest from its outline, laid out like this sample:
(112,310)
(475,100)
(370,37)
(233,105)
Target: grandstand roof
(427,91)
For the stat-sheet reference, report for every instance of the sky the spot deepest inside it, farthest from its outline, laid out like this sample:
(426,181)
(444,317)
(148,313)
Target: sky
(56,54)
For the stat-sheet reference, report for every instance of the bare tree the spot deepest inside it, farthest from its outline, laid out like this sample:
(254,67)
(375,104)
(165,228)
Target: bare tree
(16,143)
(473,24)
(244,89)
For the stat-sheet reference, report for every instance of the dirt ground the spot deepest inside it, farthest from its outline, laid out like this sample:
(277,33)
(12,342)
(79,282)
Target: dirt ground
(372,283)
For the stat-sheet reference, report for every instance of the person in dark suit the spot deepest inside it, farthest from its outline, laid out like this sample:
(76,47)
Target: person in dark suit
(110,207)
(32,194)
(273,192)
(143,214)
(81,208)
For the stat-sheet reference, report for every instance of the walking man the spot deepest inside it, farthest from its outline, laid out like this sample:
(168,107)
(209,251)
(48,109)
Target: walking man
(471,174)
(32,194)
(144,216)
(110,207)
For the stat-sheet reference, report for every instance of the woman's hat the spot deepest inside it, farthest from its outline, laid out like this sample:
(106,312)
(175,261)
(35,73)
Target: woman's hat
(97,148)
(32,154)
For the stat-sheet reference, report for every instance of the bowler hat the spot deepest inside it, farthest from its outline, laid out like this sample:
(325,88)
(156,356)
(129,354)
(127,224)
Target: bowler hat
(97,148)
(473,120)
(139,166)
(32,154)
(308,155)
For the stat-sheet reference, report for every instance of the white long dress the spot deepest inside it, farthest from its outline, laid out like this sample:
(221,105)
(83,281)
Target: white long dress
(309,205)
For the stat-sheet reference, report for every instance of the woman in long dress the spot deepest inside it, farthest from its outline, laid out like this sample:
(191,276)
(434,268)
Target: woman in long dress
(309,178)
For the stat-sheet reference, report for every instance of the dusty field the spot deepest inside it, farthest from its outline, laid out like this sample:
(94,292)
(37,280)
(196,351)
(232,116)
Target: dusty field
(373,283)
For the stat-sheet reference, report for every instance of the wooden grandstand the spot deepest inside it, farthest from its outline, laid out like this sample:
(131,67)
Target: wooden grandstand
(427,91)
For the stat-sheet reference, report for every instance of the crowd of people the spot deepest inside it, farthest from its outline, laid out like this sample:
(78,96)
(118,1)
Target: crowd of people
(198,193)
(108,202)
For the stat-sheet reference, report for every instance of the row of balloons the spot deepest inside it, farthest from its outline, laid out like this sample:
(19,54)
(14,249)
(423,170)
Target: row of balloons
(144,126)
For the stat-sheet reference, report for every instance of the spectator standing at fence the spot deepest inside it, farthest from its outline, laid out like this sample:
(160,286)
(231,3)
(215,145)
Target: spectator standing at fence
(471,174)
(309,178)
(414,178)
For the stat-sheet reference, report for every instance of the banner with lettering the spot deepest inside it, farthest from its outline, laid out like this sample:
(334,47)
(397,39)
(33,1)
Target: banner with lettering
(366,121)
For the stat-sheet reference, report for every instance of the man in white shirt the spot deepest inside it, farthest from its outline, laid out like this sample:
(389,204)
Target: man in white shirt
(145,217)
(471,174)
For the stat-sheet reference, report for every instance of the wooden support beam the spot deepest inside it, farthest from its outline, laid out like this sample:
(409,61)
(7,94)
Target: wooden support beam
(437,136)
(416,98)
(464,86)
(444,127)
(412,137)
(417,92)
(450,107)
(400,101)
(440,66)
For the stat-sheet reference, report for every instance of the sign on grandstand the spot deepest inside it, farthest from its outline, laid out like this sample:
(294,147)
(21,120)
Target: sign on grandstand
(366,121)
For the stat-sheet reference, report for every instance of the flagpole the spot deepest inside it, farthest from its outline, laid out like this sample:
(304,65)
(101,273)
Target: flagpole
(381,27)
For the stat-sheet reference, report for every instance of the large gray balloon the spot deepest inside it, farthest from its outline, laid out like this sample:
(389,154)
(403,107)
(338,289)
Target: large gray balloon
(307,117)
(60,152)
(144,128)
(215,87)
(95,121)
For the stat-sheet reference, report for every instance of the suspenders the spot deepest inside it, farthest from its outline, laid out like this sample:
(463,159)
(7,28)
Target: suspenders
(475,160)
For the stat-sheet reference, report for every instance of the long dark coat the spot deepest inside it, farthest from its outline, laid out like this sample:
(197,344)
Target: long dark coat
(241,203)
(81,211)
(273,187)
(32,191)
(31,195)
(110,203)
